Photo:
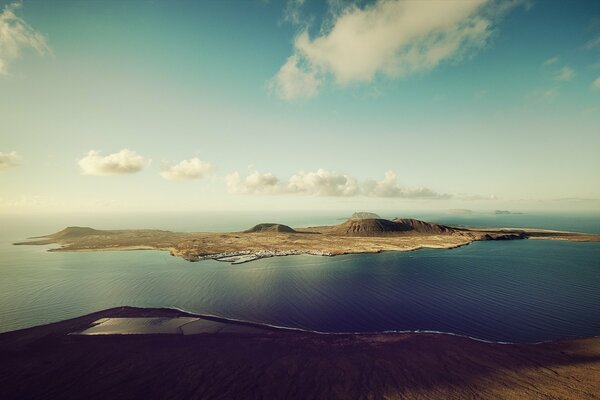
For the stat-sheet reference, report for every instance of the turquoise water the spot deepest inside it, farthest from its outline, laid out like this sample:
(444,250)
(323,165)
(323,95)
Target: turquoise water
(522,291)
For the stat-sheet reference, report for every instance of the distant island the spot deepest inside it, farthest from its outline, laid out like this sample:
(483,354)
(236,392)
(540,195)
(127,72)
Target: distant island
(362,233)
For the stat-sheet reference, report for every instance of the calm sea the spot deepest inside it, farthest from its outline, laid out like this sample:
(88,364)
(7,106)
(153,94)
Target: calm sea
(518,291)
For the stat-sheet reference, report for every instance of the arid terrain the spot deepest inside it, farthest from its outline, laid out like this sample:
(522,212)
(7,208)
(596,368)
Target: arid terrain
(269,239)
(253,362)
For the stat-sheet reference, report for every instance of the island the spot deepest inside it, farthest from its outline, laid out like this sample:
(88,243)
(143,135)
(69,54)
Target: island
(133,353)
(356,235)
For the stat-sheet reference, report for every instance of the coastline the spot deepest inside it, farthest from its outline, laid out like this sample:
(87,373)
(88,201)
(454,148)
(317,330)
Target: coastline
(235,257)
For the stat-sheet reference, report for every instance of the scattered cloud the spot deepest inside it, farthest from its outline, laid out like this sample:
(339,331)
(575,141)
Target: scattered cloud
(389,187)
(565,74)
(596,84)
(186,170)
(8,160)
(393,38)
(595,42)
(15,36)
(254,183)
(325,183)
(124,162)
(551,61)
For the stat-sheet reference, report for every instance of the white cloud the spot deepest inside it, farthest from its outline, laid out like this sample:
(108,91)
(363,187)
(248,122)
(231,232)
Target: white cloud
(551,61)
(596,84)
(389,187)
(8,160)
(124,162)
(294,82)
(16,35)
(325,183)
(565,74)
(255,182)
(186,170)
(393,38)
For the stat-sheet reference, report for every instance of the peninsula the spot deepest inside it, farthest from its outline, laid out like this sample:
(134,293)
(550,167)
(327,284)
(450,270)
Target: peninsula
(356,235)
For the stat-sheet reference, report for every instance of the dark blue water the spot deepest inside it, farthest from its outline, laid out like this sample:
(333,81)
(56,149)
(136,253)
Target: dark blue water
(518,291)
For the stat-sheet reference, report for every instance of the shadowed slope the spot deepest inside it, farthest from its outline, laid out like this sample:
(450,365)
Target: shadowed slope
(368,227)
(47,363)
(423,227)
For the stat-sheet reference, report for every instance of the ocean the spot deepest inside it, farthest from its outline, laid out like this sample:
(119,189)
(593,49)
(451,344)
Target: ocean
(510,291)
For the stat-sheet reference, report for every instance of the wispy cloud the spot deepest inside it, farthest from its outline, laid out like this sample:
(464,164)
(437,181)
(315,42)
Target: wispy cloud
(124,162)
(324,183)
(292,12)
(595,42)
(477,197)
(186,170)
(16,35)
(8,160)
(596,84)
(551,61)
(565,74)
(393,38)
(389,187)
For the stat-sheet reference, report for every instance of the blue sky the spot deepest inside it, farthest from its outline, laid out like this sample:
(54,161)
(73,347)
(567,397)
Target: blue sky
(156,105)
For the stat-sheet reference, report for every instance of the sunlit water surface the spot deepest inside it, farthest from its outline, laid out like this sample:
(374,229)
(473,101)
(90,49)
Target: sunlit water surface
(529,290)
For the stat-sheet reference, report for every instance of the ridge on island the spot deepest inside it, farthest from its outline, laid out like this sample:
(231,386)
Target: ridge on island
(356,235)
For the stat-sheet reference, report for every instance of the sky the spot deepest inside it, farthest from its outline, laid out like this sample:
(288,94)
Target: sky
(120,106)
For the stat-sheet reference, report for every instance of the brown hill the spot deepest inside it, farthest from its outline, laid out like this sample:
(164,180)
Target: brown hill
(75,232)
(269,227)
(368,227)
(384,227)
(422,226)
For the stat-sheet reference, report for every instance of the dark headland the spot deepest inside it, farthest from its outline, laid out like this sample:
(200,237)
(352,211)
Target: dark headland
(242,361)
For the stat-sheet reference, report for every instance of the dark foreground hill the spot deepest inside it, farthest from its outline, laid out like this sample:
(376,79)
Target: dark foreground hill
(48,363)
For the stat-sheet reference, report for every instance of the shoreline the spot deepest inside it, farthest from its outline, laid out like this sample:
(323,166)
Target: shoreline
(246,256)
(246,360)
(369,236)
